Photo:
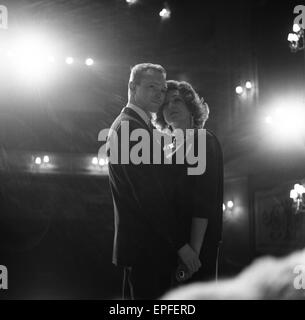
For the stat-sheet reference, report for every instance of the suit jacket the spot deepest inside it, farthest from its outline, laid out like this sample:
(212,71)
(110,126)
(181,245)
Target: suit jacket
(145,223)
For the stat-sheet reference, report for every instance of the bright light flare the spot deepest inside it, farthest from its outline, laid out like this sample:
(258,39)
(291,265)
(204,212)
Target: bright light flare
(38,160)
(292,37)
(230,204)
(89,62)
(69,60)
(268,120)
(299,188)
(51,59)
(239,90)
(249,85)
(46,159)
(102,162)
(293,194)
(165,13)
(94,161)
(296,28)
(29,54)
(286,120)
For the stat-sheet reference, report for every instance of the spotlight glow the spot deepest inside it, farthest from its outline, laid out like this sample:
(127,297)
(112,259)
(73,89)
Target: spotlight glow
(249,85)
(29,52)
(292,37)
(131,1)
(89,62)
(46,159)
(102,162)
(296,28)
(165,13)
(94,161)
(230,204)
(299,188)
(51,59)
(286,119)
(239,90)
(69,60)
(223,207)
(293,194)
(268,119)
(38,160)
(10,54)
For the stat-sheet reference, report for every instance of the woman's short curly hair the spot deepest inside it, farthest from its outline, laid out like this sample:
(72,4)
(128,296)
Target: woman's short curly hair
(196,105)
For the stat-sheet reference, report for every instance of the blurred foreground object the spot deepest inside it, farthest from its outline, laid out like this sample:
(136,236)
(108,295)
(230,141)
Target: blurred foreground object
(266,278)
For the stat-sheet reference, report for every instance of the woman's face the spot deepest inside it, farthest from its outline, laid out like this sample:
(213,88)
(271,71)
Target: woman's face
(175,111)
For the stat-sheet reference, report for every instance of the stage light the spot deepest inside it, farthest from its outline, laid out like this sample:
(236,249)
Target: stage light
(38,160)
(131,1)
(223,207)
(249,85)
(292,37)
(239,90)
(89,62)
(165,13)
(286,120)
(94,161)
(299,188)
(289,121)
(51,59)
(46,159)
(296,28)
(30,61)
(298,199)
(101,162)
(268,120)
(10,54)
(297,39)
(293,194)
(69,60)
(230,204)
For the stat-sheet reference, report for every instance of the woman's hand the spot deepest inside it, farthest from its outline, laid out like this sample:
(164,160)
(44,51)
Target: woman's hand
(190,258)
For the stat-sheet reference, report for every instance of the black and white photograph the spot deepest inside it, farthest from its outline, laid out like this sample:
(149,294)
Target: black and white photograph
(152,150)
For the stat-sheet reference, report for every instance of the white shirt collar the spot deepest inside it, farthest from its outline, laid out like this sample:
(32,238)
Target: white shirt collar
(140,112)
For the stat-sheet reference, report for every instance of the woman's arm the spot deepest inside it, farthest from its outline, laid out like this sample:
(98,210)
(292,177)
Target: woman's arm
(198,230)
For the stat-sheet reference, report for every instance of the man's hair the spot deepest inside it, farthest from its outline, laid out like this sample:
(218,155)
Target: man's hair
(195,105)
(139,71)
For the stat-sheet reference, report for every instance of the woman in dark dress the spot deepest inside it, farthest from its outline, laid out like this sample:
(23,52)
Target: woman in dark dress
(197,198)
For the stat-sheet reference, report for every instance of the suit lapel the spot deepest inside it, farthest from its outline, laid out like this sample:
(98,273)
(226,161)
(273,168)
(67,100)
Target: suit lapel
(131,113)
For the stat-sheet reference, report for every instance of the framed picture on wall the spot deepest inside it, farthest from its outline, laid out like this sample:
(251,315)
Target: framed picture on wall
(278,229)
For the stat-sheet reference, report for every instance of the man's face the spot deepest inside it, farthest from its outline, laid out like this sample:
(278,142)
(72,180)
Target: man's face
(150,93)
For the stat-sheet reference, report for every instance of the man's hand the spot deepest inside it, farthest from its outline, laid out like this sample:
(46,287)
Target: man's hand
(190,258)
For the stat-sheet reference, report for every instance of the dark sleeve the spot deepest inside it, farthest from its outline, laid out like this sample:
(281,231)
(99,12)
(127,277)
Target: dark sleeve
(146,185)
(207,186)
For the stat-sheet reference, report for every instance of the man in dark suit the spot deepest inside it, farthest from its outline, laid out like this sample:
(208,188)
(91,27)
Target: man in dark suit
(147,241)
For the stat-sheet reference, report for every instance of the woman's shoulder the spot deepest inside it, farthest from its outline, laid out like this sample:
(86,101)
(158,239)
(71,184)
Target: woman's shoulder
(210,135)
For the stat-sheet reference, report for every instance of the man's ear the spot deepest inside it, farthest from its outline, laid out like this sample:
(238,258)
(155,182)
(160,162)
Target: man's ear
(132,86)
